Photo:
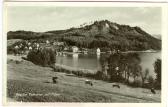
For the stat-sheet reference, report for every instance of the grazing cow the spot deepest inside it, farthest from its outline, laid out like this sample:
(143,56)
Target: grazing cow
(153,90)
(89,82)
(116,85)
(18,62)
(54,79)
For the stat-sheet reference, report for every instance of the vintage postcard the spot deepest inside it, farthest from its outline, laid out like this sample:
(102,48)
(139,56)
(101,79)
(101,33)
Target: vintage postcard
(85,53)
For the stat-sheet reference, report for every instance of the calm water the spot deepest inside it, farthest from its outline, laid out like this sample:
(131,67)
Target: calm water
(148,59)
(91,61)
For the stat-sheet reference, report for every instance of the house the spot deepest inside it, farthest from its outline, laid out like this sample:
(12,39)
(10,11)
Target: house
(98,50)
(47,41)
(58,43)
(65,49)
(37,45)
(29,44)
(75,49)
(84,50)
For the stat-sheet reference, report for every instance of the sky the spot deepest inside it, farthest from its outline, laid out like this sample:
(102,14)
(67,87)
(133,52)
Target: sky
(43,18)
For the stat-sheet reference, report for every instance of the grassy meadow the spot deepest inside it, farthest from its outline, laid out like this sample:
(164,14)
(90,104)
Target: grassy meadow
(28,82)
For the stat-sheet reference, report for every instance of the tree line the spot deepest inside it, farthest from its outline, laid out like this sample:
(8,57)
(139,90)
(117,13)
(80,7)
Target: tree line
(121,67)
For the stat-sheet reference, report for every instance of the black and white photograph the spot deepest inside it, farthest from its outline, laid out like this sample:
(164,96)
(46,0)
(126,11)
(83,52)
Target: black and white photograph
(84,54)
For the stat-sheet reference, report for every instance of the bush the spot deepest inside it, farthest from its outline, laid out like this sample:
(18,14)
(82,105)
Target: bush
(99,75)
(136,83)
(10,50)
(157,69)
(43,57)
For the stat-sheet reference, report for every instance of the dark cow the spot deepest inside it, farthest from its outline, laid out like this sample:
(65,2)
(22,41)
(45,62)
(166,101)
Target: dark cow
(153,90)
(54,79)
(88,82)
(18,62)
(116,85)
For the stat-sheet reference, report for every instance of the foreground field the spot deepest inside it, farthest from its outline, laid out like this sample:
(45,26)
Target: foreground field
(31,83)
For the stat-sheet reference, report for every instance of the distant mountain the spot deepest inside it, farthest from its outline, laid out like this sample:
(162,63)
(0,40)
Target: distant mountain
(158,36)
(103,34)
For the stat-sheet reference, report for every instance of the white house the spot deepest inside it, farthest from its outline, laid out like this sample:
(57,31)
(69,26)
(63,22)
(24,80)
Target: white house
(38,45)
(47,41)
(29,44)
(58,43)
(65,48)
(30,48)
(75,49)
(98,50)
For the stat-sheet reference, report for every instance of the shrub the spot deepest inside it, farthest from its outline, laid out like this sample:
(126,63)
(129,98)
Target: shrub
(10,50)
(101,76)
(150,82)
(43,57)
(157,69)
(136,83)
(98,75)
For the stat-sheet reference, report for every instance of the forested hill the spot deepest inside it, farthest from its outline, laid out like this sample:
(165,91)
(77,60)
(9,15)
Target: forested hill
(98,34)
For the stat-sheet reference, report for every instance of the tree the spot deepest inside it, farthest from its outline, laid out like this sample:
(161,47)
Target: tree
(133,65)
(104,66)
(144,76)
(113,62)
(136,69)
(151,81)
(43,57)
(157,69)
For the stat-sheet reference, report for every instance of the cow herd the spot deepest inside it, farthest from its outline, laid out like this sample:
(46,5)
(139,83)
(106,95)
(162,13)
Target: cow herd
(90,83)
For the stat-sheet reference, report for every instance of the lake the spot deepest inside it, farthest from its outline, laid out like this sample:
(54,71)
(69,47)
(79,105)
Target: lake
(92,61)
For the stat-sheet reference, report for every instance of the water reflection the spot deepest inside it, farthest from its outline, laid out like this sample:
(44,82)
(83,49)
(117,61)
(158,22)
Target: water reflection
(75,60)
(98,56)
(92,61)
(75,55)
(134,62)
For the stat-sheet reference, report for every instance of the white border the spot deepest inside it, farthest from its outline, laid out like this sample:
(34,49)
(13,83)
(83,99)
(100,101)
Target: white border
(150,1)
(1,53)
(87,4)
(96,4)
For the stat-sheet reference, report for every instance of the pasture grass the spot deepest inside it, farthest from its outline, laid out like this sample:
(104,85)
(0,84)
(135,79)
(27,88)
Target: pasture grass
(36,82)
(34,92)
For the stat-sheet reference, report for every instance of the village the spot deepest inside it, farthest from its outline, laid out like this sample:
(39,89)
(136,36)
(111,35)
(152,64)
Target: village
(23,47)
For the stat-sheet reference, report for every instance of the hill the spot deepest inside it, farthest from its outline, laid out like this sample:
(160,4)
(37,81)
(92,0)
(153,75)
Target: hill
(102,34)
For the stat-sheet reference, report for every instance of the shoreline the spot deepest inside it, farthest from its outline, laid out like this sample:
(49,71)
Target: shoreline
(74,69)
(146,51)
